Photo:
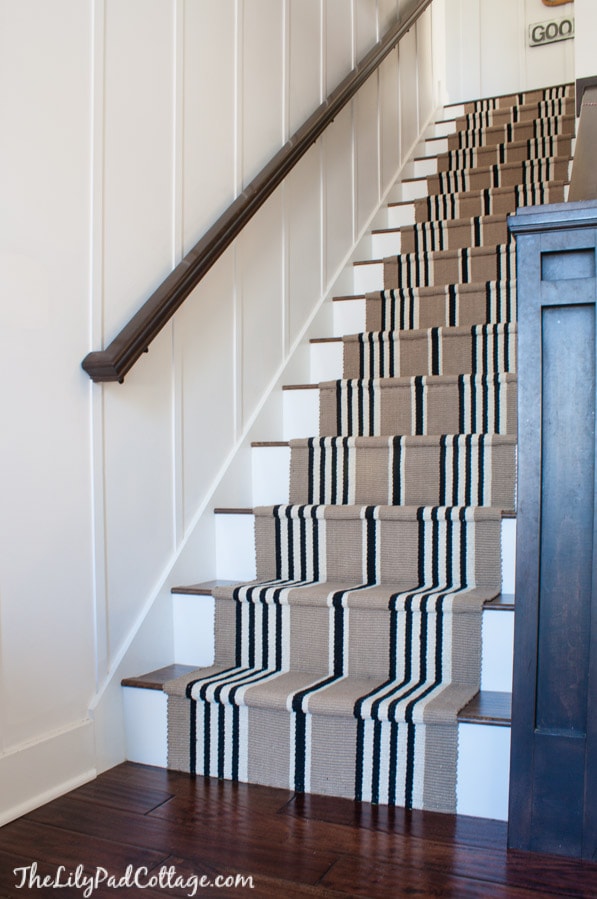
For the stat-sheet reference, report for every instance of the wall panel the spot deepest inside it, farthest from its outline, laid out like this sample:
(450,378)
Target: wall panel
(139,486)
(262,84)
(206,389)
(303,206)
(261,292)
(366,151)
(338,52)
(209,128)
(366,24)
(305,58)
(390,121)
(339,191)
(409,93)
(138,154)
(46,613)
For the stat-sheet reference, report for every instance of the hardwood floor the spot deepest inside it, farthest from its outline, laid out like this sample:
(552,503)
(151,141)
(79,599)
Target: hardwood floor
(287,845)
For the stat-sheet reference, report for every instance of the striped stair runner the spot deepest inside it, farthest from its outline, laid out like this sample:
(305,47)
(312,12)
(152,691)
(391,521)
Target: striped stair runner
(342,667)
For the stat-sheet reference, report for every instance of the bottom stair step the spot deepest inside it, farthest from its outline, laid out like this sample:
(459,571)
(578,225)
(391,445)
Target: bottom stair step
(483,741)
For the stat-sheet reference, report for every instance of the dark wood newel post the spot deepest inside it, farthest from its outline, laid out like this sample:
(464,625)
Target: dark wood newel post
(553,783)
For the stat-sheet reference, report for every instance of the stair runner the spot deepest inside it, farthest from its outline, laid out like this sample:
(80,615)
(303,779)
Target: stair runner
(342,668)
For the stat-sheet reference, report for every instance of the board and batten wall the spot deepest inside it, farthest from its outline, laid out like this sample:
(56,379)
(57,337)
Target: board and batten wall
(128,126)
(488,52)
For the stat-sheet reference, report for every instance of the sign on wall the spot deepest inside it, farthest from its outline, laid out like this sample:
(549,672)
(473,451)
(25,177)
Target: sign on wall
(550,32)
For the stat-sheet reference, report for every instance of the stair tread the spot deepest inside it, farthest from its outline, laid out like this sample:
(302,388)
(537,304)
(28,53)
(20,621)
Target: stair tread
(488,707)
(155,680)
(204,588)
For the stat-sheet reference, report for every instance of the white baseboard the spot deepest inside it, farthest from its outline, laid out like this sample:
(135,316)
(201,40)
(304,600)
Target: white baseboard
(35,773)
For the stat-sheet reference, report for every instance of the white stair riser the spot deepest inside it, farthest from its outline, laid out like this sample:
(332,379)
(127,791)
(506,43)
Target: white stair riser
(235,547)
(325,361)
(385,243)
(348,316)
(434,147)
(145,720)
(300,411)
(194,643)
(413,190)
(483,753)
(442,128)
(498,650)
(422,168)
(193,621)
(483,771)
(367,276)
(401,216)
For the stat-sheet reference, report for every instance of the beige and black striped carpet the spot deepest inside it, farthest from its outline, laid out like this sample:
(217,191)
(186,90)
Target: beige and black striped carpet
(342,668)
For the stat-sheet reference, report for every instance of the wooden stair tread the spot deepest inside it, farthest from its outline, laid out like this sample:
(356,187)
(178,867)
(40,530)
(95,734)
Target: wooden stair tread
(488,707)
(155,680)
(503,602)
(247,510)
(352,296)
(205,588)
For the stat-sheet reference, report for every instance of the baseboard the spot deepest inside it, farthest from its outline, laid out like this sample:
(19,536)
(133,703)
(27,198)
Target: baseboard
(35,773)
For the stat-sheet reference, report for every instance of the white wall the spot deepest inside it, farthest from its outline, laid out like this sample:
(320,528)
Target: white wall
(585,13)
(128,126)
(488,47)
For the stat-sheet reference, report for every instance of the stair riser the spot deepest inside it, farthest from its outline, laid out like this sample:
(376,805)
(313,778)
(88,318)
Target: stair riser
(527,172)
(464,266)
(194,622)
(496,201)
(543,148)
(385,545)
(421,405)
(465,305)
(368,276)
(348,318)
(439,351)
(409,471)
(235,549)
(483,753)
(381,356)
(529,129)
(454,235)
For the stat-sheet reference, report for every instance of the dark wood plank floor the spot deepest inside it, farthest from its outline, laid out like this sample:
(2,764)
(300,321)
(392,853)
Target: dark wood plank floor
(156,823)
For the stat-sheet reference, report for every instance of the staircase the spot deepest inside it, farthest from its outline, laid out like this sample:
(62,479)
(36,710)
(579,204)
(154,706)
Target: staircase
(363,641)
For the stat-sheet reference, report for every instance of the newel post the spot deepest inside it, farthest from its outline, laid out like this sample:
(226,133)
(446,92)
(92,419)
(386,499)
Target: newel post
(553,783)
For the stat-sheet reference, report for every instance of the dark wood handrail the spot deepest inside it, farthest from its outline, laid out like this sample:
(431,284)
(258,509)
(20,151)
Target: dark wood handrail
(117,359)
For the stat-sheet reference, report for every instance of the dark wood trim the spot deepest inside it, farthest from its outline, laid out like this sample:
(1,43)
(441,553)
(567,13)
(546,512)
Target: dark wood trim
(113,363)
(553,784)
(155,680)
(488,707)
(206,588)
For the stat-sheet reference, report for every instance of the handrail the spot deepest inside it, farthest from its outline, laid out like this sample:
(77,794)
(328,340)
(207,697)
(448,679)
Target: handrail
(117,359)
